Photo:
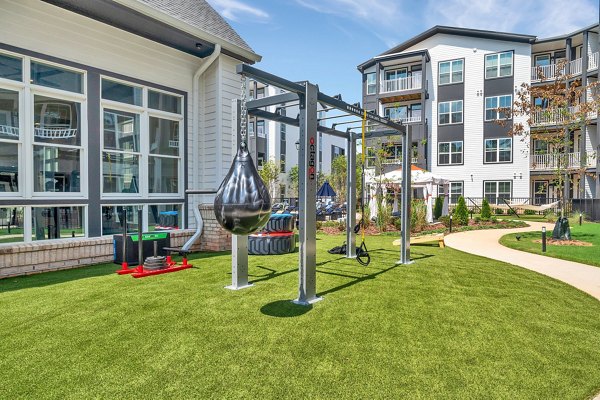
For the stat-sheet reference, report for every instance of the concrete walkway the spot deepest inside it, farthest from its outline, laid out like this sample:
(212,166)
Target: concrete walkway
(485,243)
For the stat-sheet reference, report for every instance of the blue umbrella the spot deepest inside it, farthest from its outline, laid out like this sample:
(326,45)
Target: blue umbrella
(326,190)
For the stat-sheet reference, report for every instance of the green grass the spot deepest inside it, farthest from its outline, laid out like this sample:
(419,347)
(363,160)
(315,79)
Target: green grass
(451,326)
(588,232)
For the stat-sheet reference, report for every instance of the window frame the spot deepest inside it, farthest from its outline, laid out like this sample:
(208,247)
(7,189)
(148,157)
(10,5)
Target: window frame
(450,194)
(451,72)
(496,151)
(372,85)
(494,109)
(450,112)
(497,192)
(498,57)
(450,153)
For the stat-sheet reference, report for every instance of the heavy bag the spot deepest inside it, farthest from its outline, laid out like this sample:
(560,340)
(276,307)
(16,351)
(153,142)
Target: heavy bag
(243,204)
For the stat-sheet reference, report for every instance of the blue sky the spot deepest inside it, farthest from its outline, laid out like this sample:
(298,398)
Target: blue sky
(324,40)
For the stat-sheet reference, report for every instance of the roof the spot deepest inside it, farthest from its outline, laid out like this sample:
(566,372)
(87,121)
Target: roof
(450,30)
(568,35)
(199,14)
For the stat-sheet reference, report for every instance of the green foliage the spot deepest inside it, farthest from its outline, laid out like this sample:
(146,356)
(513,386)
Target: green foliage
(269,173)
(478,219)
(384,215)
(438,207)
(461,212)
(445,220)
(418,215)
(499,211)
(486,211)
(529,212)
(293,180)
(338,177)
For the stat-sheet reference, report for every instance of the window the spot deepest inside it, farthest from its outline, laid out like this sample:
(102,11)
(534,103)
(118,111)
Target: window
(282,146)
(393,151)
(121,155)
(57,222)
(450,153)
(396,74)
(370,158)
(55,77)
(9,141)
(11,68)
(450,112)
(336,151)
(113,219)
(498,65)
(121,92)
(371,83)
(57,145)
(396,113)
(260,129)
(456,190)
(163,161)
(11,224)
(260,160)
(540,147)
(282,163)
(495,191)
(260,93)
(164,217)
(450,72)
(250,128)
(498,150)
(542,60)
(164,102)
(495,106)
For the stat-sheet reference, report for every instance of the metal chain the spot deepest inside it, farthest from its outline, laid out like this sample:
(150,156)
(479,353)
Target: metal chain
(243,112)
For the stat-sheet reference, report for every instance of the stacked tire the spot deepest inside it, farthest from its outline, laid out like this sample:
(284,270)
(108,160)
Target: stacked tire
(277,237)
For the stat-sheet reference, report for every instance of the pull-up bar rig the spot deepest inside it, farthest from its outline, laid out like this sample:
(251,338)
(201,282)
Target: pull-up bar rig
(308,96)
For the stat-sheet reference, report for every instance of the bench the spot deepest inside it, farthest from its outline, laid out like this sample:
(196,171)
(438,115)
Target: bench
(439,237)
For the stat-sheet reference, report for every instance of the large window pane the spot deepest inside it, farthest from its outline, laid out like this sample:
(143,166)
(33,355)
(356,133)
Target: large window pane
(163,175)
(11,224)
(164,102)
(57,222)
(56,121)
(120,173)
(54,77)
(56,169)
(164,136)
(122,93)
(164,217)
(9,114)
(11,67)
(9,167)
(121,131)
(113,218)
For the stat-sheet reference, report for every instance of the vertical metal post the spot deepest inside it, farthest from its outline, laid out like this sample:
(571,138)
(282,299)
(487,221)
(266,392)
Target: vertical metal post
(583,135)
(140,241)
(543,239)
(450,224)
(406,197)
(351,196)
(307,188)
(239,244)
(124,249)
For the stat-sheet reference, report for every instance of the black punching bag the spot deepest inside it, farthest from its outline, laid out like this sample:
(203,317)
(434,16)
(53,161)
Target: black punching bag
(243,203)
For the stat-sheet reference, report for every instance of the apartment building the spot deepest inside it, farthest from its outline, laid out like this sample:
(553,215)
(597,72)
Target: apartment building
(278,142)
(446,84)
(112,105)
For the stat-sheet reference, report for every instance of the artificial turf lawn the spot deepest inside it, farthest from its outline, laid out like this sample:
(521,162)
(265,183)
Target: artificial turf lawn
(451,325)
(588,232)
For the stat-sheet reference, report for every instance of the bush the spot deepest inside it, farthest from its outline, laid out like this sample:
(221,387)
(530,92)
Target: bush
(438,207)
(486,211)
(461,213)
(494,220)
(445,220)
(499,211)
(319,225)
(478,219)
(384,215)
(418,215)
(529,212)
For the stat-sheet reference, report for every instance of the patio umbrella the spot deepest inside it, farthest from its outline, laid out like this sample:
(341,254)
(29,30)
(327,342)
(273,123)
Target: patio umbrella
(326,190)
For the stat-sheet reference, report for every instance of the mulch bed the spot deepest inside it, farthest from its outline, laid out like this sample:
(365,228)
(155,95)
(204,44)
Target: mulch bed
(557,242)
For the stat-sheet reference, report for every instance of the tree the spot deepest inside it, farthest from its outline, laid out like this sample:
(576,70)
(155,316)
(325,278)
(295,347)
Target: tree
(338,177)
(461,212)
(293,180)
(486,211)
(269,173)
(438,207)
(554,110)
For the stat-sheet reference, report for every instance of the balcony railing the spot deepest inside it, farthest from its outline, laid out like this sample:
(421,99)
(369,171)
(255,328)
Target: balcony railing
(397,161)
(574,67)
(411,82)
(549,162)
(557,116)
(414,118)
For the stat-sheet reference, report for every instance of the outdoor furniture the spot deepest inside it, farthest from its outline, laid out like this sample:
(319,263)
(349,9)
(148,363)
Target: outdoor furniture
(439,237)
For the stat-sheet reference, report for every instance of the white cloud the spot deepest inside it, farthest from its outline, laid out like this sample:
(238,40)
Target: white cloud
(542,18)
(380,12)
(236,10)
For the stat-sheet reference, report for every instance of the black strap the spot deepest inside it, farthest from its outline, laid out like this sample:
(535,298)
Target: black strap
(362,255)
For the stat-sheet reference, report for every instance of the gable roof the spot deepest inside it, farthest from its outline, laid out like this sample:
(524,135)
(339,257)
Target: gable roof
(199,14)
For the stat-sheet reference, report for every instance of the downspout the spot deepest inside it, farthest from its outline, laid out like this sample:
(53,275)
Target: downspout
(196,112)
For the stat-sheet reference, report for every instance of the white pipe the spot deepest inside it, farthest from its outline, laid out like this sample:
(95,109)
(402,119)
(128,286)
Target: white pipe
(196,113)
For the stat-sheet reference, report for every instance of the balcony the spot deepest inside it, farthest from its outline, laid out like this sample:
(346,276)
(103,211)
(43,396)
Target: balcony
(412,82)
(550,162)
(552,71)
(413,118)
(558,116)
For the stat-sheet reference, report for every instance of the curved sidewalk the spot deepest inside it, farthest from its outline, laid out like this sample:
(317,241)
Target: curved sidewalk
(485,243)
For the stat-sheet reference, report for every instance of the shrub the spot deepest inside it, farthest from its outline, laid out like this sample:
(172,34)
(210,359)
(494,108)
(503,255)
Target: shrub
(319,225)
(438,207)
(494,219)
(418,215)
(529,212)
(461,213)
(499,211)
(486,211)
(478,219)
(445,220)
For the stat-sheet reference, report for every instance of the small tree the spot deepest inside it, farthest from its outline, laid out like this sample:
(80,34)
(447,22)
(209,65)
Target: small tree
(338,177)
(418,215)
(293,180)
(269,173)
(486,211)
(438,207)
(461,212)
